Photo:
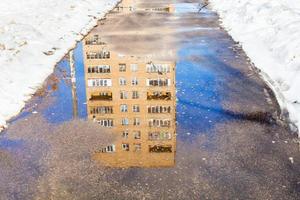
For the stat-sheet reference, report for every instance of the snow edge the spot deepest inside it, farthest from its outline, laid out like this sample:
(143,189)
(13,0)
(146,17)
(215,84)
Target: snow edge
(92,23)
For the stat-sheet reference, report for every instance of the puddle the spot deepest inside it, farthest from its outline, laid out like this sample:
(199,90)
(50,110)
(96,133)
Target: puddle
(153,103)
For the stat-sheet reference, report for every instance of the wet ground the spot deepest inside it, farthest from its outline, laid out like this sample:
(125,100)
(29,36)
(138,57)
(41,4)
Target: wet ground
(229,142)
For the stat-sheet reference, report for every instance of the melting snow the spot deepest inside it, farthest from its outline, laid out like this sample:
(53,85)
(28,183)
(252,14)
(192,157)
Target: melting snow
(269,33)
(34,36)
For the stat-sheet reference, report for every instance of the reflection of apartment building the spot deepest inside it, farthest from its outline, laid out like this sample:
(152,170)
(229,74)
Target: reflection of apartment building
(168,8)
(135,99)
(126,6)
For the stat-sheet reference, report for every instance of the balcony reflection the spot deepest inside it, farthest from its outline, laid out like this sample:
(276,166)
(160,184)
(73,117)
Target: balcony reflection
(101,96)
(159,96)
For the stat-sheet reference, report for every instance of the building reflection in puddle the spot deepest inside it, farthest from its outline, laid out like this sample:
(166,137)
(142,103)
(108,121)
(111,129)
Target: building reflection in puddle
(135,98)
(128,6)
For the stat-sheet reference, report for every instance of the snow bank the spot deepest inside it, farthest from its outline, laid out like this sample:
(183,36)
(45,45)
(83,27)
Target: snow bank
(269,32)
(34,36)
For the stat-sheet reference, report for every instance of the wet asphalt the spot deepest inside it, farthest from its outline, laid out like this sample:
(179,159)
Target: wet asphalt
(233,141)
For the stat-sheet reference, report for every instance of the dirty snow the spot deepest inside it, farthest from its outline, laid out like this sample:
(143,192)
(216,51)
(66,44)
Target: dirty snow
(34,36)
(269,32)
